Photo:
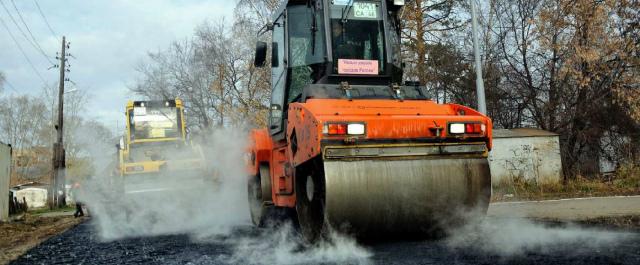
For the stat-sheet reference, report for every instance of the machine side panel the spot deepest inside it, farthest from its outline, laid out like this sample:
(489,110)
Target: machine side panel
(282,177)
(259,150)
(304,133)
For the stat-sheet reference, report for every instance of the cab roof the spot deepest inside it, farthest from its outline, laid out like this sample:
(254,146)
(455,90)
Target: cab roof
(155,103)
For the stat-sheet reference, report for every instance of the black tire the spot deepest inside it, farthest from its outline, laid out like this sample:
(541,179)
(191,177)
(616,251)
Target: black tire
(262,215)
(310,201)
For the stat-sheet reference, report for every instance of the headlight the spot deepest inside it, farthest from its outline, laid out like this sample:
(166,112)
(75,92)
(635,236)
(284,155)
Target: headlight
(357,128)
(467,128)
(456,128)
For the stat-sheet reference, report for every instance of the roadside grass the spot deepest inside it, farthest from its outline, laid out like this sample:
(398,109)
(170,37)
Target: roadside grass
(625,182)
(47,210)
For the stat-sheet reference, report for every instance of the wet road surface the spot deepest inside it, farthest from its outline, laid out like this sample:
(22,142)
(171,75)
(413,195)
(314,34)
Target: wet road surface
(82,245)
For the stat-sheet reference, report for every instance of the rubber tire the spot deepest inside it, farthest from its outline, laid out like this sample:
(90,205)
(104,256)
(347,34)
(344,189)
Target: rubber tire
(261,214)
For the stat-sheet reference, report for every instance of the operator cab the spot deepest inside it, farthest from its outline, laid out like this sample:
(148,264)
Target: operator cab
(334,49)
(155,131)
(152,121)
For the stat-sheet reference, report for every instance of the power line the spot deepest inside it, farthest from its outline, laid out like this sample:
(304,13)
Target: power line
(30,33)
(11,86)
(22,51)
(33,43)
(45,19)
(26,26)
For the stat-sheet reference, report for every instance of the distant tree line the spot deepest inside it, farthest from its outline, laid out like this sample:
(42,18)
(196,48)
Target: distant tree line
(28,122)
(570,67)
(566,66)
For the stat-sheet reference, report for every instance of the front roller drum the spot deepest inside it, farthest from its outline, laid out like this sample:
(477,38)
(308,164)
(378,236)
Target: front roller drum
(374,198)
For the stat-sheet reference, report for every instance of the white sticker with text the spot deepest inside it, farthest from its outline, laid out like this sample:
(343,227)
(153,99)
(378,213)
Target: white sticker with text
(357,67)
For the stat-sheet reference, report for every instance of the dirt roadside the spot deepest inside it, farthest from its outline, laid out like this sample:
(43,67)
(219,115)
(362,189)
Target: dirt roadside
(17,237)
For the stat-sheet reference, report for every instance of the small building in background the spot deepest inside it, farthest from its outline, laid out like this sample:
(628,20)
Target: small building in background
(5,176)
(527,154)
(34,193)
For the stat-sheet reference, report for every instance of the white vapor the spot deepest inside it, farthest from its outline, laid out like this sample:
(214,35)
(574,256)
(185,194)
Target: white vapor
(212,214)
(515,236)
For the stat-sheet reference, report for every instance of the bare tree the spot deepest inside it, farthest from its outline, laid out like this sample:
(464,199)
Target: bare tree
(255,12)
(213,73)
(22,121)
(426,23)
(2,80)
(571,63)
(91,141)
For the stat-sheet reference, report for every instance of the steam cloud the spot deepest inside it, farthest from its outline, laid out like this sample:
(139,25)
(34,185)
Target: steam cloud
(207,214)
(508,237)
(284,245)
(216,214)
(209,207)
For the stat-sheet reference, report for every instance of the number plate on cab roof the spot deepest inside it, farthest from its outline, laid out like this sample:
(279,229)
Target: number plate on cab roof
(365,10)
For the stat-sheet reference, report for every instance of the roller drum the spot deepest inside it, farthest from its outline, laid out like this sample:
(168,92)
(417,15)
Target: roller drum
(379,197)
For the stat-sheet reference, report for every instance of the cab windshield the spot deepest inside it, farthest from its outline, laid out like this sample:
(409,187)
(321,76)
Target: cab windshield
(154,123)
(357,37)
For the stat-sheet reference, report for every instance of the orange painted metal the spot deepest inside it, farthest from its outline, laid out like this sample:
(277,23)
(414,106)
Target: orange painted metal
(282,178)
(384,120)
(263,150)
(259,150)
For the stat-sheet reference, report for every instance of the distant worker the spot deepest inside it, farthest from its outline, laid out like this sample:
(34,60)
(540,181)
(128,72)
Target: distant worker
(76,193)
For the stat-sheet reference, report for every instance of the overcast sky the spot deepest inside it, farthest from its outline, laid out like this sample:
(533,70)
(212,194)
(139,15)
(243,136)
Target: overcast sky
(108,38)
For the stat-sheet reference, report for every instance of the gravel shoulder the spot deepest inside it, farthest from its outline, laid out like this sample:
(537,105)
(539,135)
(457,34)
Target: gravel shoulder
(19,236)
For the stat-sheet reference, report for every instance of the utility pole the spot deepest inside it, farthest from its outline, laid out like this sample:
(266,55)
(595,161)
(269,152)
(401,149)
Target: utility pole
(57,174)
(482,107)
